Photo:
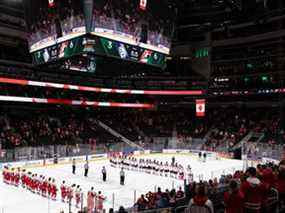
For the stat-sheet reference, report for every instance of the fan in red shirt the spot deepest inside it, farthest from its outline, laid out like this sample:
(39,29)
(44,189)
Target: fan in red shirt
(254,191)
(280,183)
(267,176)
(233,199)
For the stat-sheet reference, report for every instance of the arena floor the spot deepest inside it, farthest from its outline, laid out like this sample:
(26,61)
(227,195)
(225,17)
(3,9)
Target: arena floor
(14,199)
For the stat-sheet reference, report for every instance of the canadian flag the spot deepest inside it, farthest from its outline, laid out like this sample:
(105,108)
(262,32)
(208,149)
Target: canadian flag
(143,4)
(51,3)
(200,107)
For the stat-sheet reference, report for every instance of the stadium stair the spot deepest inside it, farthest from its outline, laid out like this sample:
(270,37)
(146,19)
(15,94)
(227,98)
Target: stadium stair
(250,137)
(118,135)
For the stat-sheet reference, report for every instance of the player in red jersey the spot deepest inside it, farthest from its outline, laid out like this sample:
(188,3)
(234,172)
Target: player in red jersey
(53,190)
(17,177)
(12,176)
(78,196)
(44,187)
(4,174)
(63,190)
(49,186)
(99,200)
(70,193)
(90,200)
(23,178)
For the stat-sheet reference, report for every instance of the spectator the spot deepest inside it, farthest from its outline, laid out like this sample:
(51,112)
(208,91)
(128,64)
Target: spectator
(141,203)
(254,191)
(201,198)
(280,183)
(233,199)
(122,210)
(163,201)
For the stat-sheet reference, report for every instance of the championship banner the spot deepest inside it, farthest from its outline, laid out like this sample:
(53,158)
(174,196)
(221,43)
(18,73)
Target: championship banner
(51,3)
(143,4)
(200,107)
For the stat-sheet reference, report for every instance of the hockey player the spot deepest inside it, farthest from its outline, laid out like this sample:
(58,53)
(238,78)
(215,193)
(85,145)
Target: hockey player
(166,169)
(189,174)
(161,169)
(77,196)
(181,172)
(70,193)
(23,178)
(44,187)
(99,199)
(63,190)
(49,187)
(17,177)
(91,200)
(53,190)
(5,174)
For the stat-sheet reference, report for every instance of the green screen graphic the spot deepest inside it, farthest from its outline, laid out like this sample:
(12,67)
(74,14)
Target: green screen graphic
(99,46)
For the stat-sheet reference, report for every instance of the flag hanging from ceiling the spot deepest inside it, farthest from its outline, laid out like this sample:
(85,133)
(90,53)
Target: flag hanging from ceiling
(51,3)
(143,4)
(200,107)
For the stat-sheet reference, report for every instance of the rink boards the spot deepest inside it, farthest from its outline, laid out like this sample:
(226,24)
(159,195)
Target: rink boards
(96,157)
(68,160)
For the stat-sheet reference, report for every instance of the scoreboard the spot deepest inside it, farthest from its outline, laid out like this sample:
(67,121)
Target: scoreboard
(98,46)
(139,32)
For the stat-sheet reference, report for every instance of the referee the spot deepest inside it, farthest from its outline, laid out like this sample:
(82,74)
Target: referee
(73,166)
(86,168)
(104,173)
(122,177)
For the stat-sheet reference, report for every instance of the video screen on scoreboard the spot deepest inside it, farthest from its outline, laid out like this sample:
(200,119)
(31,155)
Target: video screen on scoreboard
(101,47)
(143,23)
(52,21)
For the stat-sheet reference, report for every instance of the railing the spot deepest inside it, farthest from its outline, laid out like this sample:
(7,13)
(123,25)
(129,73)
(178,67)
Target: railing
(59,151)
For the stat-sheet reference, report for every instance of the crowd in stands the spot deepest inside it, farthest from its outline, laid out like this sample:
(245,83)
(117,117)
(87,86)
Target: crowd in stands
(260,189)
(125,18)
(72,18)
(241,122)
(141,126)
(41,129)
(121,17)
(44,27)
(159,199)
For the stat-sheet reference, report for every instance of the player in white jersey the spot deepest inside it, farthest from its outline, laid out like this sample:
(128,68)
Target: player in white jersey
(166,169)
(189,174)
(181,172)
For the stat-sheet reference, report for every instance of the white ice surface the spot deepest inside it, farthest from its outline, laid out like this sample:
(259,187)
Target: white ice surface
(18,200)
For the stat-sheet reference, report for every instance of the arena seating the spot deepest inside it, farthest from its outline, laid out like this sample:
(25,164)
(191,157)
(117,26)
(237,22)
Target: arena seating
(216,191)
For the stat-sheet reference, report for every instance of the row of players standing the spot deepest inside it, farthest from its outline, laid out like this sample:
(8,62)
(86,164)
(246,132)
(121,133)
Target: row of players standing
(47,187)
(173,170)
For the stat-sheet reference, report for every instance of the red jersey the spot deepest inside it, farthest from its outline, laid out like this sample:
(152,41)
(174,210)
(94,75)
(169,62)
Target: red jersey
(234,202)
(254,191)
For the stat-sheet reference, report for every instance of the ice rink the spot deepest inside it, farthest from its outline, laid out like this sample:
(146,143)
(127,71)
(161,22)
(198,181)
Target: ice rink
(13,199)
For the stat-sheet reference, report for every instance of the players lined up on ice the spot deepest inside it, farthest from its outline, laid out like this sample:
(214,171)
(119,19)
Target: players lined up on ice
(33,182)
(156,167)
(47,187)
